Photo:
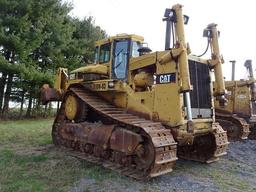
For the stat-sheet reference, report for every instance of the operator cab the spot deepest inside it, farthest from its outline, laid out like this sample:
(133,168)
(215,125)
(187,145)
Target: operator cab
(116,52)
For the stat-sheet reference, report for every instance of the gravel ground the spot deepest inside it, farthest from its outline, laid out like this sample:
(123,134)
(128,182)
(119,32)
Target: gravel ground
(233,172)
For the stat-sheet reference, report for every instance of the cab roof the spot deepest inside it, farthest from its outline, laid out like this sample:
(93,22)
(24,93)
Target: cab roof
(120,36)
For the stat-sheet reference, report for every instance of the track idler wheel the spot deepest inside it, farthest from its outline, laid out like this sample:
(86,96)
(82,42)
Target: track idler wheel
(75,109)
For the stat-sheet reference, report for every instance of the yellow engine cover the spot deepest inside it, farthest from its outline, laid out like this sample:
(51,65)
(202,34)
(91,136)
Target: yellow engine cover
(98,69)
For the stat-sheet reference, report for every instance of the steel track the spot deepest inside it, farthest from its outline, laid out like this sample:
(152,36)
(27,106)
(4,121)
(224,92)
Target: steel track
(163,145)
(236,127)
(206,148)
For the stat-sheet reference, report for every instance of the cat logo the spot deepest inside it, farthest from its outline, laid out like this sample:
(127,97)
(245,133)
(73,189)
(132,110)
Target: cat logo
(166,78)
(241,96)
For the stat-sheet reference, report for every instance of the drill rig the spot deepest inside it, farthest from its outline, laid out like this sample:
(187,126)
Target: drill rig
(238,117)
(134,111)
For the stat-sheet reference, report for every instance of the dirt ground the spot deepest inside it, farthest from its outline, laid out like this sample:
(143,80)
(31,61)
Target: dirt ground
(234,172)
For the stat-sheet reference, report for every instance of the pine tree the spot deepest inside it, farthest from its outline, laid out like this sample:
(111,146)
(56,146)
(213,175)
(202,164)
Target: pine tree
(37,37)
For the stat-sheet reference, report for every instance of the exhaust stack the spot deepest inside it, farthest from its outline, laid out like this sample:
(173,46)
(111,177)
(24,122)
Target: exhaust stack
(233,70)
(248,65)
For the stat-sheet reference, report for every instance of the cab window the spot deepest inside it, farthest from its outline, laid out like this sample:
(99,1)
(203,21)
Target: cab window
(105,53)
(135,46)
(121,55)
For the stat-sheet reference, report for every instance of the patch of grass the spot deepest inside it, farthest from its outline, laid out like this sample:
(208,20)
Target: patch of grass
(98,173)
(26,132)
(23,184)
(14,172)
(45,172)
(29,163)
(227,180)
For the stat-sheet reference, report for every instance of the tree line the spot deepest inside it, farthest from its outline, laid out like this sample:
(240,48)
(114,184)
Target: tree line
(37,37)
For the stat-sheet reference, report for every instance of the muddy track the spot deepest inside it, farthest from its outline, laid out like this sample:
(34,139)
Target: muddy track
(206,148)
(236,127)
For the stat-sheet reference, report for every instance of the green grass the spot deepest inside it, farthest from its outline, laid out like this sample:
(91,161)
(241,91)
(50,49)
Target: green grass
(26,132)
(226,180)
(29,162)
(45,172)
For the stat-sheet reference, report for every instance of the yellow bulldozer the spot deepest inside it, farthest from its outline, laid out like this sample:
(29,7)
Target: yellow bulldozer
(238,116)
(136,111)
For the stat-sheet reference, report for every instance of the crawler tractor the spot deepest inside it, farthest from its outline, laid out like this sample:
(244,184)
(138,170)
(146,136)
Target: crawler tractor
(136,111)
(238,117)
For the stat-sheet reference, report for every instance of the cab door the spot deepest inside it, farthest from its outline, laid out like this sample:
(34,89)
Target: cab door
(120,59)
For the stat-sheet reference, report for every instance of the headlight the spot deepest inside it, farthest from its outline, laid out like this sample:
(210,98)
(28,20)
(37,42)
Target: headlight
(111,84)
(72,76)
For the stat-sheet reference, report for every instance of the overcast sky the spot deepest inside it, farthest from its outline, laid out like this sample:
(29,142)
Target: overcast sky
(235,19)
